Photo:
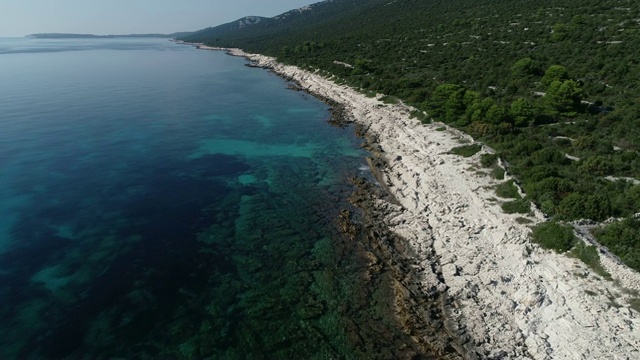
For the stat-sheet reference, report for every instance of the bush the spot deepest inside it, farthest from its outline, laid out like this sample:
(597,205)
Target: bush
(548,156)
(522,206)
(488,160)
(508,190)
(623,239)
(551,235)
(498,173)
(389,99)
(467,150)
(416,114)
(582,206)
(523,220)
(589,255)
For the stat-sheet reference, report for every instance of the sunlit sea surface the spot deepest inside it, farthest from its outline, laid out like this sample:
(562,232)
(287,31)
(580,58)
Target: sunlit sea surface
(158,201)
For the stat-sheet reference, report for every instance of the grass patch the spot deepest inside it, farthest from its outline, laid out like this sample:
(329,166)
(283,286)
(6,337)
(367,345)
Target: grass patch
(521,206)
(524,220)
(635,304)
(466,150)
(462,140)
(632,292)
(612,302)
(508,190)
(498,173)
(488,160)
(589,255)
(592,293)
(551,235)
(387,99)
(441,128)
(420,115)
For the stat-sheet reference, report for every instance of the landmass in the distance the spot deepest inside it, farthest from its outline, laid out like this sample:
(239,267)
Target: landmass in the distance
(92,36)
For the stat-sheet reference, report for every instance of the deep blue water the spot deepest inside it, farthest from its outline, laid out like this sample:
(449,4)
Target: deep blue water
(158,201)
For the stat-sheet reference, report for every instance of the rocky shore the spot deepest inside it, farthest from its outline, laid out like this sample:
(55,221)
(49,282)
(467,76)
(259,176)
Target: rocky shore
(471,272)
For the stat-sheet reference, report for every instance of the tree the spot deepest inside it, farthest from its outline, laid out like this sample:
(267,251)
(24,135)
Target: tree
(439,97)
(554,73)
(585,142)
(477,110)
(548,156)
(456,105)
(362,67)
(596,165)
(559,32)
(523,111)
(495,114)
(523,68)
(564,97)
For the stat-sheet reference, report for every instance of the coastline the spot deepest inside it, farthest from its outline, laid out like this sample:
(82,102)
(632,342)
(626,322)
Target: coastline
(500,295)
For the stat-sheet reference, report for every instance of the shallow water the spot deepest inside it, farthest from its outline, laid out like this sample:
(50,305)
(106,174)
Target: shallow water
(161,201)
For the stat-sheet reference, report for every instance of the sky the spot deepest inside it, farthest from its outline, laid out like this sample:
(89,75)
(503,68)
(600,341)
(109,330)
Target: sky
(105,17)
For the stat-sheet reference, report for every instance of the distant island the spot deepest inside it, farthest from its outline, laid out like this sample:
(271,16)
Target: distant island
(92,36)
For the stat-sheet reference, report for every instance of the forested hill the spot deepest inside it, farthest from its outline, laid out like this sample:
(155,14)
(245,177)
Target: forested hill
(552,85)
(275,31)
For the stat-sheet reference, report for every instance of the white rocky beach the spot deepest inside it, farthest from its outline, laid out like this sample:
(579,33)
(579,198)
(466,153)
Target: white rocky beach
(509,298)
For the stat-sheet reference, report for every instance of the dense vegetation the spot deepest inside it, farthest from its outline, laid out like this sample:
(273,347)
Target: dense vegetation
(623,238)
(552,235)
(552,85)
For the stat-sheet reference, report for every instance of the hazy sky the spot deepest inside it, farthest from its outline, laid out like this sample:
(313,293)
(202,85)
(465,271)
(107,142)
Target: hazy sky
(102,17)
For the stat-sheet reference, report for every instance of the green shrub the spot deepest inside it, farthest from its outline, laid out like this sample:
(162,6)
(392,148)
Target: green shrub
(508,190)
(417,114)
(589,255)
(548,156)
(389,99)
(488,160)
(441,128)
(623,239)
(523,220)
(498,173)
(466,150)
(585,206)
(522,206)
(551,235)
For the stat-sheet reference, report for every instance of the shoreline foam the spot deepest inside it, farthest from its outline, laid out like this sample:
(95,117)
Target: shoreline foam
(509,298)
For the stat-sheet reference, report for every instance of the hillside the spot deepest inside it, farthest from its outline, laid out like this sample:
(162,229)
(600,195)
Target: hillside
(551,85)
(257,32)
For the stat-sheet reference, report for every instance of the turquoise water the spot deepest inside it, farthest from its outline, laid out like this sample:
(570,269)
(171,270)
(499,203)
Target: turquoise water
(158,201)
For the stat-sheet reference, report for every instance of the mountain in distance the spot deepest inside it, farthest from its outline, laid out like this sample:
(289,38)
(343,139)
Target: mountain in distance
(225,29)
(256,29)
(92,36)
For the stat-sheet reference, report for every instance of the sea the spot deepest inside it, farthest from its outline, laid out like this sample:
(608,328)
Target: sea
(163,202)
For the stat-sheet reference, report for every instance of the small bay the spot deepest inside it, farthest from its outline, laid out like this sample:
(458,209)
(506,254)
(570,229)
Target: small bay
(158,201)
